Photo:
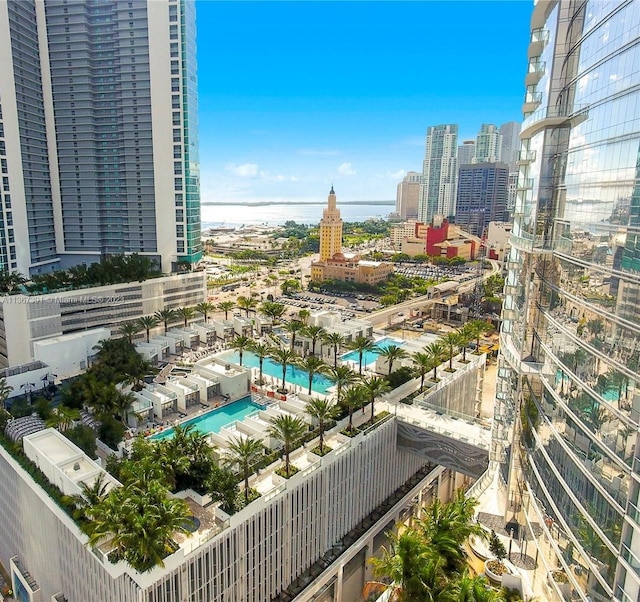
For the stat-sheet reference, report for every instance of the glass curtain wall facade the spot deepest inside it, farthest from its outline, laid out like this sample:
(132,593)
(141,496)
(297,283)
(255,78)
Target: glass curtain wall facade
(189,242)
(439,173)
(568,395)
(99,133)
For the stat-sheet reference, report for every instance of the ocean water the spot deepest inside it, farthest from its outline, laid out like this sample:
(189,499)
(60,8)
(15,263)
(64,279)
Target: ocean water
(233,215)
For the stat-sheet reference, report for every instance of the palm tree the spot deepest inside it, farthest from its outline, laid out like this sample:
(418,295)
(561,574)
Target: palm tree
(428,562)
(335,340)
(435,351)
(261,350)
(416,572)
(62,417)
(393,353)
(322,410)
(293,328)
(466,588)
(5,391)
(619,382)
(283,356)
(288,429)
(122,403)
(374,387)
(274,310)
(245,453)
(466,333)
(314,333)
(312,365)
(342,377)
(129,330)
(579,360)
(166,316)
(361,345)
(303,315)
(354,398)
(423,363)
(139,523)
(241,343)
(479,327)
(246,303)
(451,340)
(186,313)
(205,308)
(448,526)
(147,323)
(226,307)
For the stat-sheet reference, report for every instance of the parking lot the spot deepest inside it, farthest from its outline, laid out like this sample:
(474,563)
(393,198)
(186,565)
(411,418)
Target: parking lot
(436,272)
(346,303)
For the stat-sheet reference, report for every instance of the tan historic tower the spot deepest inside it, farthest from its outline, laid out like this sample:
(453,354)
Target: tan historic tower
(330,229)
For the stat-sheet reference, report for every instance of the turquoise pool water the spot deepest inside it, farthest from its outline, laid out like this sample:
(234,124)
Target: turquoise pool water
(296,376)
(609,395)
(370,356)
(214,420)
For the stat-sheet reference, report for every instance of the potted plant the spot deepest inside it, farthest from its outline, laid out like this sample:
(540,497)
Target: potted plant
(562,581)
(495,568)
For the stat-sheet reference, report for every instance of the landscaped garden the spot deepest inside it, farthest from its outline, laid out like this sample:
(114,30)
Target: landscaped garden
(427,561)
(140,521)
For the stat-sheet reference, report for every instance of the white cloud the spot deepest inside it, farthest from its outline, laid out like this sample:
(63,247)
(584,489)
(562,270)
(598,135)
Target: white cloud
(265,175)
(346,169)
(246,170)
(252,171)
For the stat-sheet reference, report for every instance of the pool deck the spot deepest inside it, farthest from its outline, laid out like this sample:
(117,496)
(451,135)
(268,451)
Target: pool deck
(180,418)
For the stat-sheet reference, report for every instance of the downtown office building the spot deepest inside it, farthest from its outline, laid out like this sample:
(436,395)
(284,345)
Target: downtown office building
(568,392)
(439,173)
(98,133)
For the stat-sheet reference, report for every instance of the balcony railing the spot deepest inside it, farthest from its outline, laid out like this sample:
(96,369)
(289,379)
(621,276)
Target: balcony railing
(539,35)
(531,101)
(535,72)
(527,156)
(551,117)
(525,184)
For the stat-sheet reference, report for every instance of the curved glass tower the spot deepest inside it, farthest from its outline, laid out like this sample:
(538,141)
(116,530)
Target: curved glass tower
(568,398)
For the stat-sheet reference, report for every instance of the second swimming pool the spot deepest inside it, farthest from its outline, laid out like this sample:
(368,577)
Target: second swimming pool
(214,420)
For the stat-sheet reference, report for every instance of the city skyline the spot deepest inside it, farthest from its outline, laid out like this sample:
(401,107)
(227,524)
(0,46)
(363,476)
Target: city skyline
(297,96)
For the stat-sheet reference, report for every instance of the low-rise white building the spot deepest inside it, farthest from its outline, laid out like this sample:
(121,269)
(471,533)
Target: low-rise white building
(498,234)
(64,463)
(69,354)
(27,319)
(235,381)
(252,556)
(224,329)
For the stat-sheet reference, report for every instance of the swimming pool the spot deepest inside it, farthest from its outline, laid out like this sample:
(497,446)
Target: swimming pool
(214,420)
(368,357)
(296,376)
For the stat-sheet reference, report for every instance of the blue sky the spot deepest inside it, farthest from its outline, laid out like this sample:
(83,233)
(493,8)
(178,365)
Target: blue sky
(295,95)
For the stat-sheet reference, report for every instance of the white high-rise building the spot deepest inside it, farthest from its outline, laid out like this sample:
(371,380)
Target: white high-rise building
(466,152)
(98,133)
(488,144)
(439,174)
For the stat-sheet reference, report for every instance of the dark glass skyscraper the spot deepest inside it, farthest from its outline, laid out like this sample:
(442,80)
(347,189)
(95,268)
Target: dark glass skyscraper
(568,401)
(482,196)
